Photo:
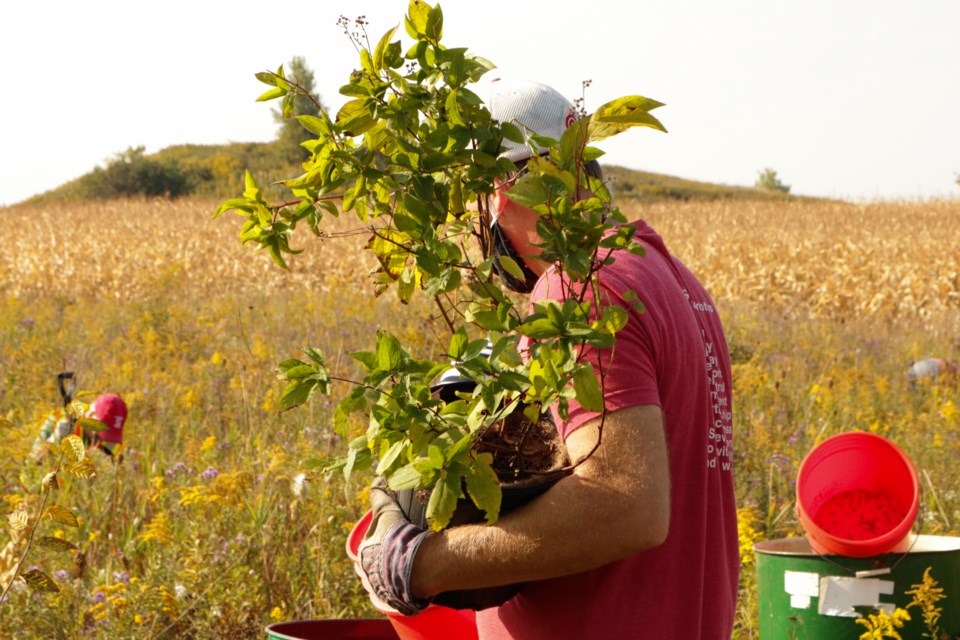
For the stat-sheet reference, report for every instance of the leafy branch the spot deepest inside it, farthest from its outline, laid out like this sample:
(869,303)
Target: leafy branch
(412,146)
(73,461)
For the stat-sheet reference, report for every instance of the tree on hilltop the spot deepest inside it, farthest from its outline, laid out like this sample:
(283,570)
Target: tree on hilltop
(769,181)
(291,133)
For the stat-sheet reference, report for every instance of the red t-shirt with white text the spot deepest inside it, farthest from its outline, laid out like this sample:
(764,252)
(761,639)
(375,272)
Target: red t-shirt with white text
(673,355)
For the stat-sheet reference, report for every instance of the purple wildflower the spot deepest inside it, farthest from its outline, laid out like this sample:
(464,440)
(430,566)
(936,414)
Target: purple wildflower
(175,469)
(781,461)
(99,597)
(209,473)
(61,574)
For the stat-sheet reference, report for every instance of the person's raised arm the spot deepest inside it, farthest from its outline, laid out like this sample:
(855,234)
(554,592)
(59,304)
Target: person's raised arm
(615,504)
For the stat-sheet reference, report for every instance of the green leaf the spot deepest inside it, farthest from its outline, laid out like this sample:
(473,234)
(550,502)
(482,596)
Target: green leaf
(458,343)
(391,456)
(316,355)
(267,77)
(389,247)
(315,125)
(512,132)
(443,500)
(434,27)
(510,266)
(416,19)
(272,94)
(355,118)
(539,328)
(436,456)
(389,352)
(241,204)
(448,280)
(297,372)
(406,285)
(587,388)
(621,114)
(57,544)
(483,487)
(406,477)
(382,50)
(474,348)
(296,393)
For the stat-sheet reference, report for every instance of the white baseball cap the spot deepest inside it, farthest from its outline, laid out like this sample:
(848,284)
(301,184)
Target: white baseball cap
(532,106)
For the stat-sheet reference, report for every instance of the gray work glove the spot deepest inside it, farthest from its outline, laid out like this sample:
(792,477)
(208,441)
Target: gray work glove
(386,554)
(414,508)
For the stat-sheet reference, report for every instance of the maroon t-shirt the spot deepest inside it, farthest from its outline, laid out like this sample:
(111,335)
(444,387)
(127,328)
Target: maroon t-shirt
(672,355)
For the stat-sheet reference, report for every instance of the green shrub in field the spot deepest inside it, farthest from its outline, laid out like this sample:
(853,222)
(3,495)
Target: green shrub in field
(768,181)
(131,173)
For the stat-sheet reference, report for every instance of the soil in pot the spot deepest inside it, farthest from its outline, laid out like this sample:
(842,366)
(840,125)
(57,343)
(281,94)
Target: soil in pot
(528,459)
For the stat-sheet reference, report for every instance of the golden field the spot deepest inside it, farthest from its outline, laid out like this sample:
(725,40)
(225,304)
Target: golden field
(205,529)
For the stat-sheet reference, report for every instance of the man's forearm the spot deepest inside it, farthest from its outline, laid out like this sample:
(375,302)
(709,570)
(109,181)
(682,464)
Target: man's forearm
(614,505)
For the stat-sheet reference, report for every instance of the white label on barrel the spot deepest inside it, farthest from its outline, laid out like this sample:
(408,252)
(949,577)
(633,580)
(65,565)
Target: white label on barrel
(839,595)
(801,585)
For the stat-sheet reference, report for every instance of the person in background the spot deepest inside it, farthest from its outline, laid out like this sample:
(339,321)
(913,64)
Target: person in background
(640,541)
(931,371)
(109,409)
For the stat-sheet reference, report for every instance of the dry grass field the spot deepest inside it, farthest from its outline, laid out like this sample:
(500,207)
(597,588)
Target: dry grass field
(206,530)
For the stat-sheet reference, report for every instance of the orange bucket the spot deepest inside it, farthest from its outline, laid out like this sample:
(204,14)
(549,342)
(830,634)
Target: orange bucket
(858,496)
(434,622)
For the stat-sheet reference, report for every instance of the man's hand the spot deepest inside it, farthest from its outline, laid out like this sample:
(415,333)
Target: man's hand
(385,558)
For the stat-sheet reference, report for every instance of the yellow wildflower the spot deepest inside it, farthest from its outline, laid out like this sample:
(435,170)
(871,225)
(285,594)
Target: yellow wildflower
(189,399)
(882,625)
(747,533)
(276,614)
(158,529)
(208,444)
(926,595)
(949,411)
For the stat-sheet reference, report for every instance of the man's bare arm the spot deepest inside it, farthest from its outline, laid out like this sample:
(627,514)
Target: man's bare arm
(615,504)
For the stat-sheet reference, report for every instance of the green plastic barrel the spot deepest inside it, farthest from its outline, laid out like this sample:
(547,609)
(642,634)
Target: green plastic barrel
(803,595)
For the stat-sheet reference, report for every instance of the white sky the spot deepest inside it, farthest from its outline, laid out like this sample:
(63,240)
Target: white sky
(857,99)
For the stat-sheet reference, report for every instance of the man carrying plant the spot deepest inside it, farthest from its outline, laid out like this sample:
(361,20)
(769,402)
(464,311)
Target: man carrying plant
(640,540)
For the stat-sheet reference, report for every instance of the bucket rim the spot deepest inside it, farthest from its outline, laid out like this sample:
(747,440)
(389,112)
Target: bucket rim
(822,540)
(276,629)
(800,546)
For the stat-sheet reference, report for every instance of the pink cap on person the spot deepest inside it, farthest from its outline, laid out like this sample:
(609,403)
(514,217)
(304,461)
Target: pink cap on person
(111,410)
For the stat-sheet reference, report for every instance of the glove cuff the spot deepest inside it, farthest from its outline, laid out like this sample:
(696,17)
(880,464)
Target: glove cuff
(400,546)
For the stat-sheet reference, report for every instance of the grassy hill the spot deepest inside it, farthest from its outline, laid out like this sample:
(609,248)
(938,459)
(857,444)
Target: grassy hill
(216,171)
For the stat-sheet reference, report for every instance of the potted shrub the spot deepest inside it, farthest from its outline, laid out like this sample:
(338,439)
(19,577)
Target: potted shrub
(407,153)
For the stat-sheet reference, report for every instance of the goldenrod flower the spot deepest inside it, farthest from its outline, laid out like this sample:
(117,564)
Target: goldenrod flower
(158,529)
(208,444)
(882,625)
